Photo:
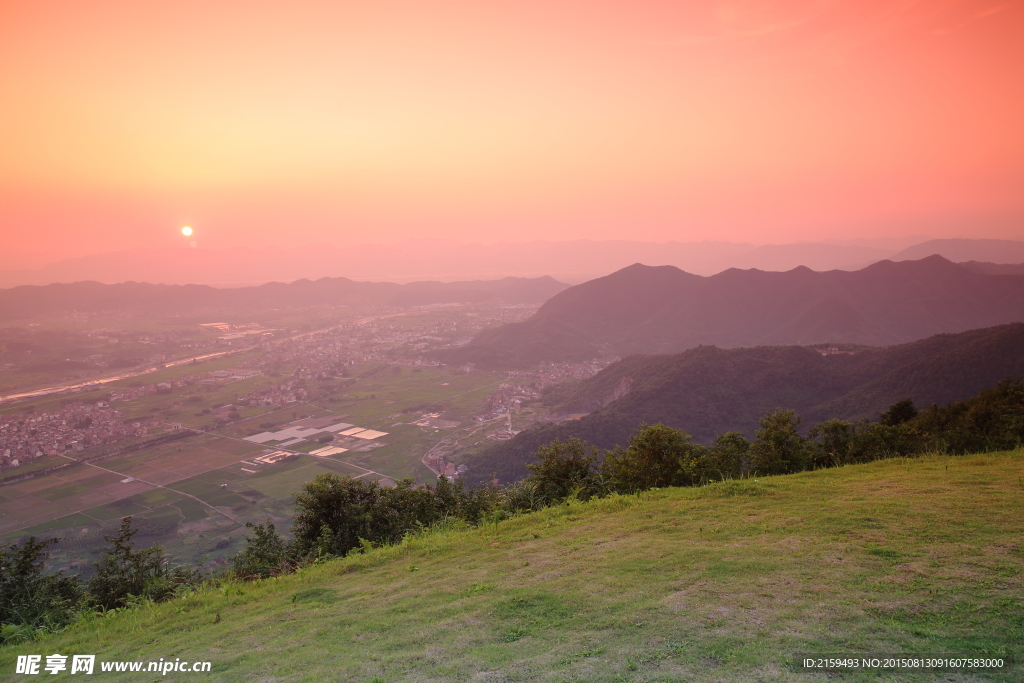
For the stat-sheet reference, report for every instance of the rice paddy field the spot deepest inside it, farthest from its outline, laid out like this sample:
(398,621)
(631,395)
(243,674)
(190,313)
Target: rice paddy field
(389,399)
(194,495)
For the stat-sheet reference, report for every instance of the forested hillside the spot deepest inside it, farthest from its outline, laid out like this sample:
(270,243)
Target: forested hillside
(642,309)
(707,391)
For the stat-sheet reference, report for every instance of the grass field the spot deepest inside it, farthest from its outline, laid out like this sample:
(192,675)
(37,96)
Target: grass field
(723,583)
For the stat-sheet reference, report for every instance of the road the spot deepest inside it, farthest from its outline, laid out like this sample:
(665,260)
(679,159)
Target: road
(182,361)
(113,378)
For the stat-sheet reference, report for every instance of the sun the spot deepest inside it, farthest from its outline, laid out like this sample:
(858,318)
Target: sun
(186,231)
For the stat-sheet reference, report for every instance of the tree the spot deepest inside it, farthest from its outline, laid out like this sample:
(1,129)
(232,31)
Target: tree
(992,420)
(337,514)
(124,574)
(875,441)
(30,599)
(779,448)
(348,507)
(657,456)
(898,413)
(834,445)
(265,554)
(729,456)
(566,468)
(454,500)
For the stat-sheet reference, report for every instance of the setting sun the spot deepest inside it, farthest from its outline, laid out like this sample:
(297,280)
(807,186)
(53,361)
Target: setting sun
(186,231)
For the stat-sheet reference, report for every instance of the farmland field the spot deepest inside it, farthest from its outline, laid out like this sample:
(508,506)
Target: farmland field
(194,495)
(198,492)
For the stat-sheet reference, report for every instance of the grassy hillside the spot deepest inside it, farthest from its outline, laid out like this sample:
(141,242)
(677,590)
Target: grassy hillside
(721,583)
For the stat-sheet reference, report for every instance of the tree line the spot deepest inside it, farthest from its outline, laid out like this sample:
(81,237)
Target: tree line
(337,516)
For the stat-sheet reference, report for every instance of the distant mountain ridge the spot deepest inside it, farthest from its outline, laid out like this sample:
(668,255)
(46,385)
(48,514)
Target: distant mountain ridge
(429,259)
(707,391)
(960,250)
(28,300)
(661,309)
(571,261)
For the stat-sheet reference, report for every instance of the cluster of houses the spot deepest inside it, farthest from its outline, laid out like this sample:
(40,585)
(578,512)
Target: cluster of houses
(215,377)
(73,428)
(556,373)
(834,351)
(275,395)
(438,463)
(507,397)
(130,393)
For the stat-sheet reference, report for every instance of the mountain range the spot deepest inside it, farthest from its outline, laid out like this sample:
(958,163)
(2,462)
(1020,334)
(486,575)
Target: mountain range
(446,260)
(707,391)
(27,301)
(662,309)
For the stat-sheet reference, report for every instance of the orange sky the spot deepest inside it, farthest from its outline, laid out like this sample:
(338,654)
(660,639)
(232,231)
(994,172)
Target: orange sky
(264,123)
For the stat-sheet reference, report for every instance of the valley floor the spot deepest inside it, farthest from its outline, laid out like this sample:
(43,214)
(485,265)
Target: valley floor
(729,582)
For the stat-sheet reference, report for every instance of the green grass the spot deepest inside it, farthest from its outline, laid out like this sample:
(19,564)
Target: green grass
(209,493)
(191,510)
(73,520)
(722,583)
(156,497)
(73,488)
(282,485)
(116,510)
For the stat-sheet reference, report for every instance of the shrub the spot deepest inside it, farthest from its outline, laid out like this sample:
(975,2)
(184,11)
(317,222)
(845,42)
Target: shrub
(834,445)
(345,506)
(567,468)
(874,441)
(265,554)
(125,574)
(336,515)
(898,413)
(992,420)
(779,448)
(30,600)
(728,457)
(523,496)
(657,456)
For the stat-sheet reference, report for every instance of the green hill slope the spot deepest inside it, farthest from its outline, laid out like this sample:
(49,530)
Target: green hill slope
(709,391)
(721,583)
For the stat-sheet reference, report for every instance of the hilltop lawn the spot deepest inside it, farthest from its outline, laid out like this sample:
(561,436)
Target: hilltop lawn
(722,583)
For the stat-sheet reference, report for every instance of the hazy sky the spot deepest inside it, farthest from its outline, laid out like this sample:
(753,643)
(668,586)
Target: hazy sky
(265,123)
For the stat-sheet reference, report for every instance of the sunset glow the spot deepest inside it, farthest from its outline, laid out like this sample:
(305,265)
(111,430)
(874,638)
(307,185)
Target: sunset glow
(316,122)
